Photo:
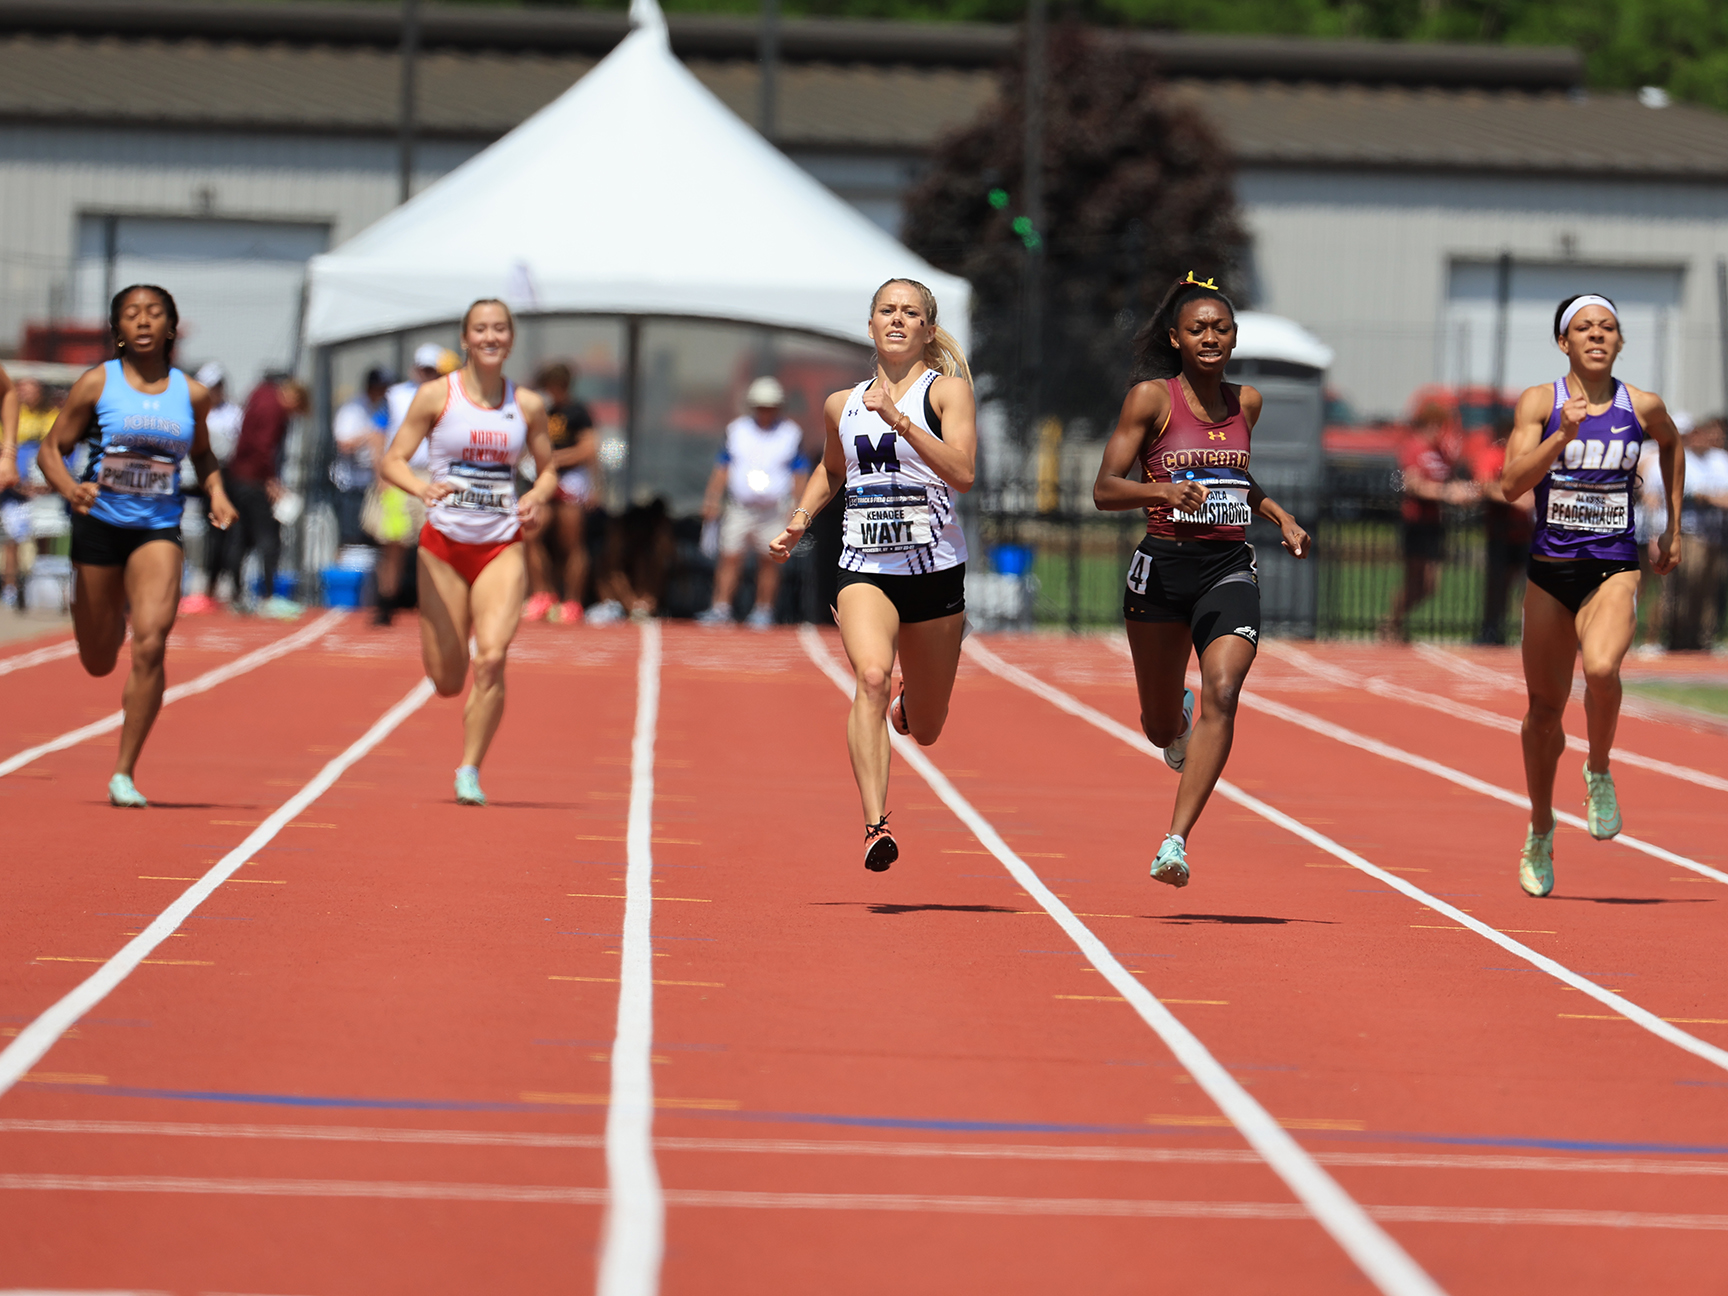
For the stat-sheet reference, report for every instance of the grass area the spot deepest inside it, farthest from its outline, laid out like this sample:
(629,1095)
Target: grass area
(1700,697)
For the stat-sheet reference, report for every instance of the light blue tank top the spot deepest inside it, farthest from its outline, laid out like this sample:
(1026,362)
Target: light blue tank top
(140,441)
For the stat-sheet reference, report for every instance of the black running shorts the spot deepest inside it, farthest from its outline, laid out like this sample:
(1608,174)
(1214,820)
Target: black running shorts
(1212,585)
(96,543)
(924,597)
(1575,579)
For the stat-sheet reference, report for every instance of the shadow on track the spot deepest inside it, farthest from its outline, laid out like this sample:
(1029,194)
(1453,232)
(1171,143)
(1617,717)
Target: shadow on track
(1237,919)
(1635,900)
(881,908)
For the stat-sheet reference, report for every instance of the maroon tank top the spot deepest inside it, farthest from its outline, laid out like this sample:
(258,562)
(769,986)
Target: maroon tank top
(1213,454)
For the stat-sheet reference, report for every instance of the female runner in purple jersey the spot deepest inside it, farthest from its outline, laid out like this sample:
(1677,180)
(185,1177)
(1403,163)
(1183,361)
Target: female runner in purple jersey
(1575,442)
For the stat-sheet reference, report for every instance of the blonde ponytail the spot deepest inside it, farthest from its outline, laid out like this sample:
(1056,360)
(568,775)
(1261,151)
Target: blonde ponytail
(942,353)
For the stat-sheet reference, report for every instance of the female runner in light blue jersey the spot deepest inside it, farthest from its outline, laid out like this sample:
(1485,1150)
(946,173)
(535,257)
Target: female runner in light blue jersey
(1575,442)
(143,417)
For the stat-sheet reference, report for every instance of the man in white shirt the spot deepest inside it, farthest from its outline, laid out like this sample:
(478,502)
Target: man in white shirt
(759,471)
(358,429)
(223,422)
(1698,584)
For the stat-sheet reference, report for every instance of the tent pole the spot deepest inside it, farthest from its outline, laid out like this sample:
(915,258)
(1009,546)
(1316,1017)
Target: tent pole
(632,401)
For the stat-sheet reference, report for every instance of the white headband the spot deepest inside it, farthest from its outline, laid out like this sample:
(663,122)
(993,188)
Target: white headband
(1588,299)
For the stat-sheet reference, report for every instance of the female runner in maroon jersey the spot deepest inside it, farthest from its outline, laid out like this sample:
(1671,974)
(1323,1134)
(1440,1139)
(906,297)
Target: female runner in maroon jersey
(1192,582)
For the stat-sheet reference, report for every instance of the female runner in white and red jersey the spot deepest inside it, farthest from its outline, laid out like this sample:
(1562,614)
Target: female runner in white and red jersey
(1192,583)
(473,576)
(902,444)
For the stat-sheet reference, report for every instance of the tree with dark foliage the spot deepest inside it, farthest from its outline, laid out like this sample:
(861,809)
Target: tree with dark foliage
(1138,190)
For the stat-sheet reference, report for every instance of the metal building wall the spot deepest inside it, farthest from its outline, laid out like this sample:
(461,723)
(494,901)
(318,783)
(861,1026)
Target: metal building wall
(1362,259)
(50,176)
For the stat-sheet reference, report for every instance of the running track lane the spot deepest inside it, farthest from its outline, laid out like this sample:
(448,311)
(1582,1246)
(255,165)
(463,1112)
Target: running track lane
(1465,1042)
(400,984)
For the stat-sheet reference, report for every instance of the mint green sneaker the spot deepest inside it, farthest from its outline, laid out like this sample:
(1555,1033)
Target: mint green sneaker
(1601,806)
(468,787)
(1171,865)
(1536,863)
(1176,754)
(122,793)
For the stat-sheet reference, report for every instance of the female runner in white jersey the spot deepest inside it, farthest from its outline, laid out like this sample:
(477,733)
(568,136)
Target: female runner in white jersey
(902,443)
(473,576)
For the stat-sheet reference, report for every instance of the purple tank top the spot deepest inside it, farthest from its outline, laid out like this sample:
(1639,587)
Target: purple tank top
(1584,504)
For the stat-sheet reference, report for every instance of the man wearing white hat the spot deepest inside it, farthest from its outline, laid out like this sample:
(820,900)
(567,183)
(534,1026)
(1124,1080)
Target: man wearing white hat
(760,469)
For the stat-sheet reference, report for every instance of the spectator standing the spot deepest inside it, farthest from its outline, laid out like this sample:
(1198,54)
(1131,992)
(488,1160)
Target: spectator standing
(396,520)
(575,448)
(1507,528)
(358,429)
(14,497)
(1696,616)
(1428,461)
(254,482)
(761,467)
(223,423)
(36,414)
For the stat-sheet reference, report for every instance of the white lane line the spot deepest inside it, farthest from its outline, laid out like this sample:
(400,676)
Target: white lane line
(869,1147)
(1353,739)
(199,684)
(1374,1251)
(635,1234)
(1476,715)
(39,657)
(42,1034)
(1108,1207)
(1625,1007)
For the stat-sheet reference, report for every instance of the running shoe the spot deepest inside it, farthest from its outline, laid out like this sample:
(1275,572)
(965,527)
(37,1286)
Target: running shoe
(609,612)
(897,709)
(1171,863)
(880,849)
(194,604)
(122,793)
(715,616)
(468,787)
(278,608)
(1176,754)
(761,618)
(1536,863)
(1601,806)
(567,614)
(537,606)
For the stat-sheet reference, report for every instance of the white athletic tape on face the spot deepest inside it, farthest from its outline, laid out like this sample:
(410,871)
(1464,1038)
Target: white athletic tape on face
(41,656)
(1385,1263)
(42,1034)
(200,684)
(635,1232)
(1624,1007)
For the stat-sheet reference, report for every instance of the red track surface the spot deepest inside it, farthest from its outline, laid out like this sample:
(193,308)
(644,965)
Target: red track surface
(392,963)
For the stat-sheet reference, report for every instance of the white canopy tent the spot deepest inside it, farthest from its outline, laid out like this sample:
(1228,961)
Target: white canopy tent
(635,193)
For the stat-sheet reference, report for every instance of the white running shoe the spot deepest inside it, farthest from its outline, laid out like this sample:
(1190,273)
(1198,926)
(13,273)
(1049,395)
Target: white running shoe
(1171,864)
(761,618)
(121,793)
(714,616)
(468,787)
(1176,754)
(1601,806)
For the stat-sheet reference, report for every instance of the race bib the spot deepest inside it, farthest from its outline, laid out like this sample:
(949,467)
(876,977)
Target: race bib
(481,489)
(1226,503)
(891,520)
(126,474)
(1602,510)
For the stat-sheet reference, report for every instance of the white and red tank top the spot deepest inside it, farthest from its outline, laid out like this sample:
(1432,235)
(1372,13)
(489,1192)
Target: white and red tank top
(476,448)
(1213,454)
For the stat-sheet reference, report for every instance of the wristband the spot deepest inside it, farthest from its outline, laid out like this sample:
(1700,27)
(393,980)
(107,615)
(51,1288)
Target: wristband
(809,517)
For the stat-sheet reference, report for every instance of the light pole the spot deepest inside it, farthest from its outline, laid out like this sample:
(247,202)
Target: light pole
(405,122)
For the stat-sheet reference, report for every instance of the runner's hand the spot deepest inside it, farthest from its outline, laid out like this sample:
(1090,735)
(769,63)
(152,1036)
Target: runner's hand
(223,514)
(435,491)
(1572,413)
(781,546)
(8,471)
(1187,495)
(531,513)
(1667,555)
(1295,538)
(878,401)
(83,496)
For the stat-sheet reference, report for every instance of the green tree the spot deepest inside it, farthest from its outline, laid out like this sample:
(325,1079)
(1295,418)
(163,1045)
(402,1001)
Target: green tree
(1138,191)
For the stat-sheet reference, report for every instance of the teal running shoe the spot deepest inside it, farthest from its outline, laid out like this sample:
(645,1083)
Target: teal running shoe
(1176,754)
(468,787)
(1171,865)
(1601,806)
(122,793)
(1536,863)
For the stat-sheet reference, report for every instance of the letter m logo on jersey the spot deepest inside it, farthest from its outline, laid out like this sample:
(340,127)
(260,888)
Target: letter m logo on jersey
(876,458)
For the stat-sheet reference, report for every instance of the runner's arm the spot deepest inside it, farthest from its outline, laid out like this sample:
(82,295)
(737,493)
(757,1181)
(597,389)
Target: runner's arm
(423,412)
(1146,408)
(204,465)
(1659,427)
(1291,534)
(953,456)
(8,432)
(825,480)
(1528,456)
(71,423)
(531,506)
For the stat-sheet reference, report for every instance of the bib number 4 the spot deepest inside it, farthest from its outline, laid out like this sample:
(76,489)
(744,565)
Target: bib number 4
(1139,571)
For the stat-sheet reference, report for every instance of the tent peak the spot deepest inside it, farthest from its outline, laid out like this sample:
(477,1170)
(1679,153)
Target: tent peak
(645,15)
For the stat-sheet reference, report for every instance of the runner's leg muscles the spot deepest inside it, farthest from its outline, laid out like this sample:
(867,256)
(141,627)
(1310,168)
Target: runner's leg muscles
(99,616)
(929,657)
(1550,646)
(444,623)
(1223,667)
(573,537)
(152,579)
(496,600)
(869,629)
(1160,650)
(1606,624)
